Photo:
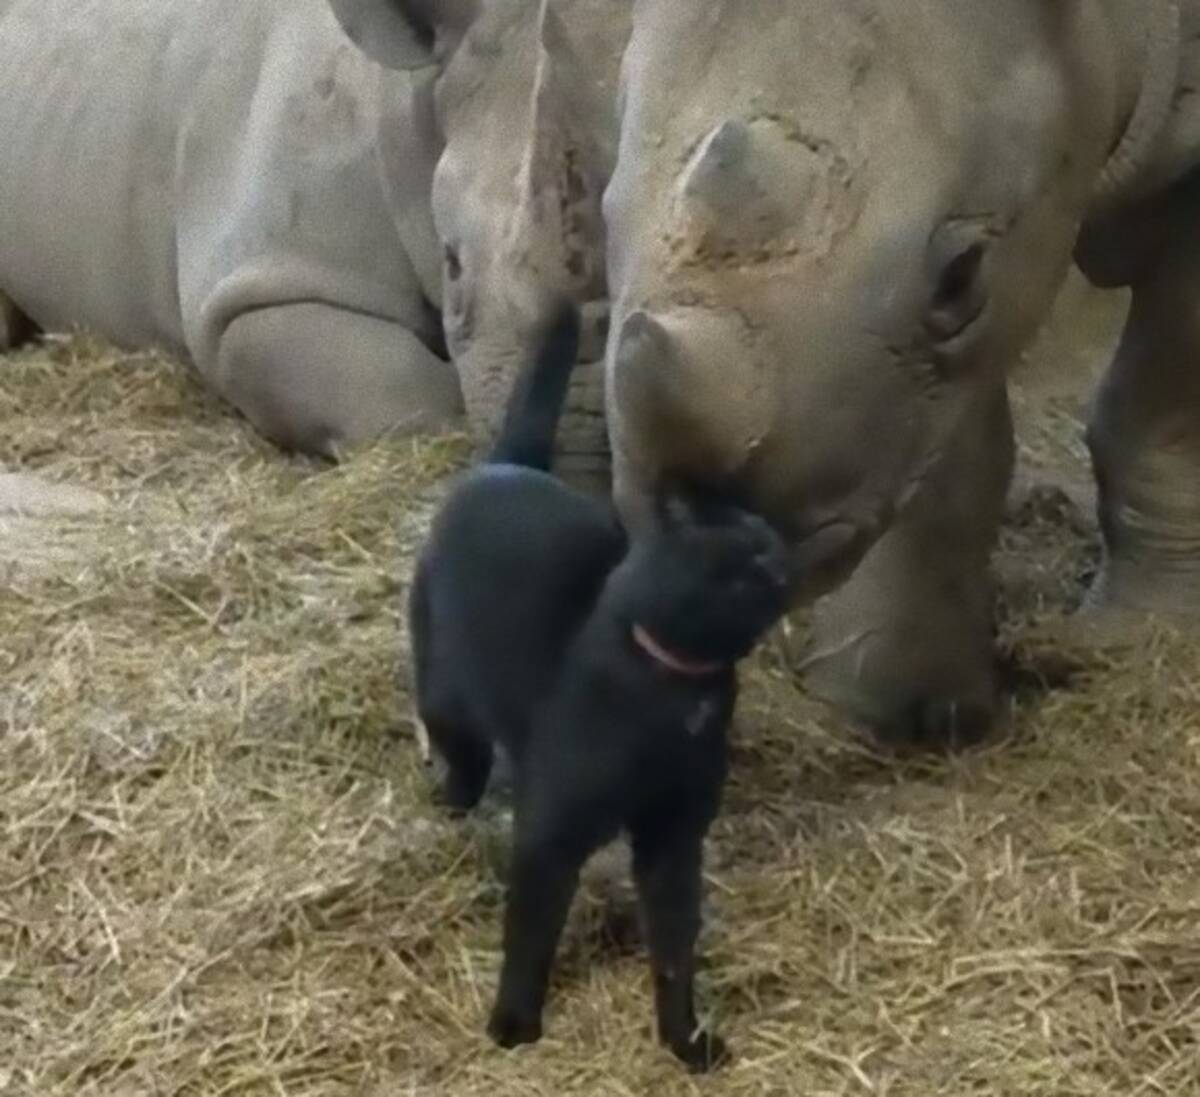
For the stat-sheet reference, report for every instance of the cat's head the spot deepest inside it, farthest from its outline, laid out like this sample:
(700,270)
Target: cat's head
(709,579)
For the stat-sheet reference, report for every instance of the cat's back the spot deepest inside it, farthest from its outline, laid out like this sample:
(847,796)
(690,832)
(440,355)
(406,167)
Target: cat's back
(513,518)
(511,569)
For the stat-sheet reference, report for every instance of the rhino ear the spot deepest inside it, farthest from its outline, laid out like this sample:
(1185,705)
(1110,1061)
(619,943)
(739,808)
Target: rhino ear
(405,34)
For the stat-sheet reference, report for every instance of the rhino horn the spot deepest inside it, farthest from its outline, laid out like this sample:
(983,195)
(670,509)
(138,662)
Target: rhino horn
(642,353)
(559,175)
(643,364)
(690,390)
(558,116)
(642,343)
(746,183)
(718,174)
(548,135)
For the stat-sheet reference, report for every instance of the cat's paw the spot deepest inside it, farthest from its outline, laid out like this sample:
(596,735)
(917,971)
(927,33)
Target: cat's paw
(702,1052)
(509,1028)
(459,793)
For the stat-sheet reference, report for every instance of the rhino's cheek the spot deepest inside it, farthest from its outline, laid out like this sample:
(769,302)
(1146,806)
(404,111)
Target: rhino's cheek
(829,540)
(483,336)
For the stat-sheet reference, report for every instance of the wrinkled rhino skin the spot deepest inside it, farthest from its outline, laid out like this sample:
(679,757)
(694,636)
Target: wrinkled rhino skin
(832,227)
(243,183)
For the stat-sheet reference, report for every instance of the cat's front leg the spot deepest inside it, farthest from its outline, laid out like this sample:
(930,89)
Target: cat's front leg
(667,861)
(549,851)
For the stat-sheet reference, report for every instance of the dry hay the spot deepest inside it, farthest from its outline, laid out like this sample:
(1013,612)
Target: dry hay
(220,872)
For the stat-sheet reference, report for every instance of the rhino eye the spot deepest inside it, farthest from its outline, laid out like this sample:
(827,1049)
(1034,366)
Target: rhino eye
(453,266)
(958,277)
(960,290)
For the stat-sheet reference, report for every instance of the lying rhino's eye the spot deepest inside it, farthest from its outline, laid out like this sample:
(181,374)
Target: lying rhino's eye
(960,288)
(453,266)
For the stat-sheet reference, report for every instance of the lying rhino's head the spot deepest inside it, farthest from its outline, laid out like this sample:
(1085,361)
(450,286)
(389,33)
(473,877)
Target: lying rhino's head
(831,224)
(521,97)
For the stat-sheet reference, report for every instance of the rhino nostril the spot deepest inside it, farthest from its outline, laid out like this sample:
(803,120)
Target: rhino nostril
(958,276)
(960,287)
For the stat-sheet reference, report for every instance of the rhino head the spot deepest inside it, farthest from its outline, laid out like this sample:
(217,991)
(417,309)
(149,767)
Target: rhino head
(831,225)
(519,99)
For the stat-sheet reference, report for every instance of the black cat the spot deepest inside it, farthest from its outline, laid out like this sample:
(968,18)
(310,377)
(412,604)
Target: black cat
(605,669)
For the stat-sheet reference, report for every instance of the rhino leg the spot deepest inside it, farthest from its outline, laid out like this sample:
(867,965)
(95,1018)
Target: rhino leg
(1144,437)
(906,645)
(15,327)
(319,379)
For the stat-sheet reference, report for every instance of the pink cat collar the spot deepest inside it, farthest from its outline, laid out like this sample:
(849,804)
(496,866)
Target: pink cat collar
(677,663)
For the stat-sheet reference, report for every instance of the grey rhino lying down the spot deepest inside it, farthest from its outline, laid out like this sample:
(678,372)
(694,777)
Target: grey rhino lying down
(832,226)
(238,182)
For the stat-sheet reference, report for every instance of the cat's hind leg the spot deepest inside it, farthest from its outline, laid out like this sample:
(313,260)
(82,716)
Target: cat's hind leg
(443,720)
(15,327)
(468,757)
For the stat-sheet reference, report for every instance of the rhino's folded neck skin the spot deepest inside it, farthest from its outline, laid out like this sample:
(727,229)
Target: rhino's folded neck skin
(1147,45)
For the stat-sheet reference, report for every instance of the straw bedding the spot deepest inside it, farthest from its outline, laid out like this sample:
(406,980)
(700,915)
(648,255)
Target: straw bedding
(221,873)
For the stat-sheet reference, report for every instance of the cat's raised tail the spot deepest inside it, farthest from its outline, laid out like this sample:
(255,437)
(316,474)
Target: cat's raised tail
(531,419)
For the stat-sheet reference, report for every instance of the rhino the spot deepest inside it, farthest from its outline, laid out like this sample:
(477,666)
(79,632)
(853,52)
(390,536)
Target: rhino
(832,227)
(350,214)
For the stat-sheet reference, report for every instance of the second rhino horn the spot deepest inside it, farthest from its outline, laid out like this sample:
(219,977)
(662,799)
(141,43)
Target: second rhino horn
(719,173)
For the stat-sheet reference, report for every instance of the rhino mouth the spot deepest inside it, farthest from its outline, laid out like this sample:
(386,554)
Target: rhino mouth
(821,560)
(822,551)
